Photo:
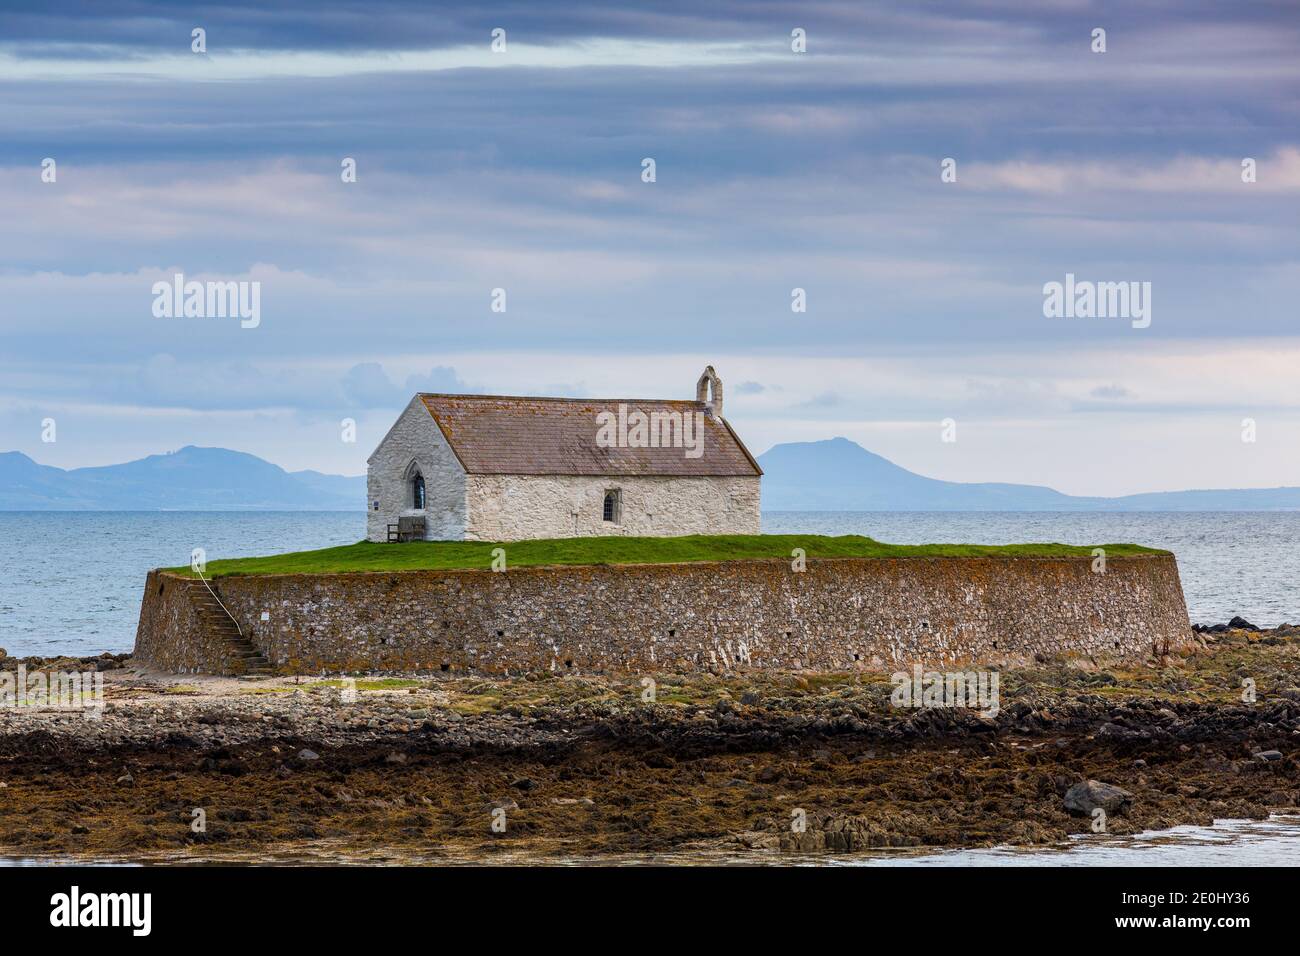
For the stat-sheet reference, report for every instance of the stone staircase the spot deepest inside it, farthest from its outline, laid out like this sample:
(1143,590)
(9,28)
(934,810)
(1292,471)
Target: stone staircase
(245,658)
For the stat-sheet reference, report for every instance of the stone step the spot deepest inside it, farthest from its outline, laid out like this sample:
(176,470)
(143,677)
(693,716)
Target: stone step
(218,617)
(245,659)
(210,608)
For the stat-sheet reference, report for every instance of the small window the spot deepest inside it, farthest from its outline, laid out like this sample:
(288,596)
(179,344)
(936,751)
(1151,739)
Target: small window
(417,492)
(612,505)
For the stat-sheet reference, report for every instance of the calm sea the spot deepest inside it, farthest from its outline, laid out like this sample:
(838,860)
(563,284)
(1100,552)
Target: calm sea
(70,582)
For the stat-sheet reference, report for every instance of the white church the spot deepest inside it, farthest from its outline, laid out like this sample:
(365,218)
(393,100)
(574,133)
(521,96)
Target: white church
(508,468)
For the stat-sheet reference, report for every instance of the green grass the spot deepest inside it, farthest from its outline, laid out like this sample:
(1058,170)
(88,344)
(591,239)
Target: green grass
(382,683)
(447,555)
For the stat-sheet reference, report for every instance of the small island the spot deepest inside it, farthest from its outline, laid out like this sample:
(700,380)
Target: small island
(513,534)
(610,604)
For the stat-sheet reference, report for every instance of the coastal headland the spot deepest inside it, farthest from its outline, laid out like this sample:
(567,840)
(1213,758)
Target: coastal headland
(451,767)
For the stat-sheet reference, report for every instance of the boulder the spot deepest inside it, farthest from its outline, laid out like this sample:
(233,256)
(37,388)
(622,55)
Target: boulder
(1268,756)
(1241,624)
(1086,796)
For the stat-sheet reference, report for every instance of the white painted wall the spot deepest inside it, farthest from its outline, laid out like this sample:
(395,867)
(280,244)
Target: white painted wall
(516,507)
(415,439)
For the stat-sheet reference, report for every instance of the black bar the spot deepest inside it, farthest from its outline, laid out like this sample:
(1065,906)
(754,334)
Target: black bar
(216,904)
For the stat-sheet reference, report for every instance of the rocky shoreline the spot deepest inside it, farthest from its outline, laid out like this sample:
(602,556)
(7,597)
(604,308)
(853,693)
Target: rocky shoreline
(419,766)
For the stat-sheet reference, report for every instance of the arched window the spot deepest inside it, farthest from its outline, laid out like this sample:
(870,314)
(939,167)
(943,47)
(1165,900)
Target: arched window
(611,508)
(417,491)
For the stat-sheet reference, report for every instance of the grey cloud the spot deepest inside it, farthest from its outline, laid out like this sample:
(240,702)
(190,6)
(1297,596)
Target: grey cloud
(367,386)
(441,378)
(166,381)
(1110,391)
(410,24)
(823,400)
(818,171)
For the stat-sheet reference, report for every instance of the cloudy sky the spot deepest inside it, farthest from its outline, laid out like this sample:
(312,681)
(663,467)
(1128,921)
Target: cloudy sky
(775,170)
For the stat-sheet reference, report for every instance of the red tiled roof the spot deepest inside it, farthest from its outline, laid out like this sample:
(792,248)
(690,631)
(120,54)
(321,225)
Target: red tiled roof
(504,435)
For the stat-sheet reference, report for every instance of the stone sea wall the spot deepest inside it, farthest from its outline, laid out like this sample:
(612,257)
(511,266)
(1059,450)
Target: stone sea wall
(838,614)
(172,635)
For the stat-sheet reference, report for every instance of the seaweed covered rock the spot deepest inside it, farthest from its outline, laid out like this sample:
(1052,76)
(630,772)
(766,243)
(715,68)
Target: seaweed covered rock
(1086,796)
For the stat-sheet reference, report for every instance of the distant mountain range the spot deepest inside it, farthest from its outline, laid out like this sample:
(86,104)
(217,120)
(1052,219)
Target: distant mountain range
(839,475)
(192,479)
(833,475)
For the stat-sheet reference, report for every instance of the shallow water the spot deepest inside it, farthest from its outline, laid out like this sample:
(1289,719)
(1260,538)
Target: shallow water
(71,582)
(1273,842)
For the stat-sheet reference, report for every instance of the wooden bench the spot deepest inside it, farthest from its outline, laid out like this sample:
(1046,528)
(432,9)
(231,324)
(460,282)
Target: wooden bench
(406,529)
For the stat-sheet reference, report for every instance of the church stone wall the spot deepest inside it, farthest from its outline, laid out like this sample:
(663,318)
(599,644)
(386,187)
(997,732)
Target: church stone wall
(517,507)
(415,441)
(838,614)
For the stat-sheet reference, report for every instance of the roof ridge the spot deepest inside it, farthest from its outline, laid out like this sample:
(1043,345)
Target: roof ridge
(556,398)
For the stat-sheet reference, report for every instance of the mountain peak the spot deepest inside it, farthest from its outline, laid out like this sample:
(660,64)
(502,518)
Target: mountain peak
(190,478)
(840,475)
